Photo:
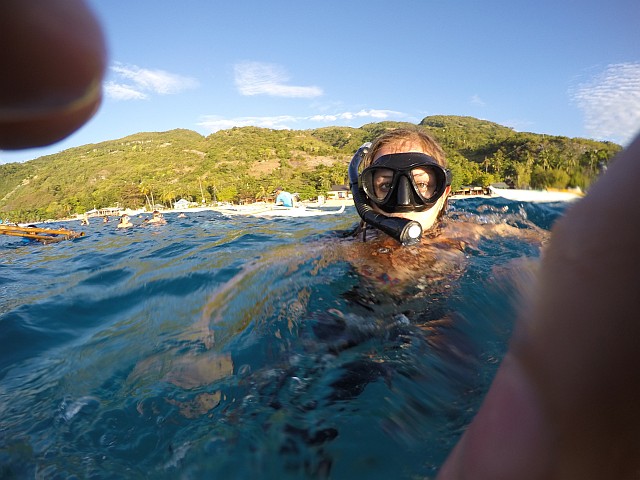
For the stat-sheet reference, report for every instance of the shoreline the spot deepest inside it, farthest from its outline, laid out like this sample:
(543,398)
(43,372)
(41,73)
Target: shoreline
(235,208)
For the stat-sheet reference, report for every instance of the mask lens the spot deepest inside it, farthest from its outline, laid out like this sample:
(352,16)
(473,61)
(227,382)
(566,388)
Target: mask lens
(381,182)
(425,181)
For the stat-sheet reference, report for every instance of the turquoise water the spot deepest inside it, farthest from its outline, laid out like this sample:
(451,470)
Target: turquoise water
(236,347)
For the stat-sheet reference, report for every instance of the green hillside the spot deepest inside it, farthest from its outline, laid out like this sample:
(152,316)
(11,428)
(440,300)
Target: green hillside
(246,164)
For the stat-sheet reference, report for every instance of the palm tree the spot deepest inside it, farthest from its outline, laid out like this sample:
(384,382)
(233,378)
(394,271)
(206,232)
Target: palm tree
(146,191)
(486,163)
(262,193)
(168,196)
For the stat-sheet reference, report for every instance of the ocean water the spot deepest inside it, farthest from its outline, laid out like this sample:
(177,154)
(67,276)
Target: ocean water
(238,347)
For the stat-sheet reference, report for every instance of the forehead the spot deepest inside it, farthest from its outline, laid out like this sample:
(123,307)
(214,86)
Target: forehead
(399,147)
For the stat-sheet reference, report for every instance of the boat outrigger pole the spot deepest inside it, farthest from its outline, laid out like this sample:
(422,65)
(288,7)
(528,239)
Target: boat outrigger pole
(44,235)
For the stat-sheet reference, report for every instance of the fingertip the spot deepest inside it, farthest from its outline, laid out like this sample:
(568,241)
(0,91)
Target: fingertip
(52,84)
(47,127)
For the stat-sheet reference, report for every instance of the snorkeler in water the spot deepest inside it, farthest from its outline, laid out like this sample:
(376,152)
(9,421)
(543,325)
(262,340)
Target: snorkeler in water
(125,221)
(564,404)
(157,218)
(400,184)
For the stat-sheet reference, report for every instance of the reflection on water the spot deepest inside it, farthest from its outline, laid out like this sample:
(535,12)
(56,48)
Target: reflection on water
(233,347)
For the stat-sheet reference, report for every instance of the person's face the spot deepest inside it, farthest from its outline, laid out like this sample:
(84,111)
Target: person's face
(423,178)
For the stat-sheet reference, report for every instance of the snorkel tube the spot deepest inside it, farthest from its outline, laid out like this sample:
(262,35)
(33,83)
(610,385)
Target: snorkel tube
(405,231)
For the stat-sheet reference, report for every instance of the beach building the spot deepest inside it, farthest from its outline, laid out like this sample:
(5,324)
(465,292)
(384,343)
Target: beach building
(467,190)
(108,211)
(339,192)
(182,203)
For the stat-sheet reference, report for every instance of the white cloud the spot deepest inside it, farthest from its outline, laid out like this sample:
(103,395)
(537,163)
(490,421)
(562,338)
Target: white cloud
(378,115)
(119,91)
(213,123)
(610,102)
(136,83)
(477,101)
(256,78)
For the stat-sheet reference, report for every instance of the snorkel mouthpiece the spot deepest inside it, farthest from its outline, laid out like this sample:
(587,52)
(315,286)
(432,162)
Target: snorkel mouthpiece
(405,231)
(413,231)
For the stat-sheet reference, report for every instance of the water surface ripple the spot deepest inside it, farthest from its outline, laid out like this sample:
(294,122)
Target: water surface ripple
(236,347)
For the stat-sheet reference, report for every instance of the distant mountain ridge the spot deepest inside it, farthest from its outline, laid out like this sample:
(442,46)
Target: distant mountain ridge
(245,164)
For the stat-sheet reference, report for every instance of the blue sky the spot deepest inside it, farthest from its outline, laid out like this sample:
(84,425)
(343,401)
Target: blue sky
(560,67)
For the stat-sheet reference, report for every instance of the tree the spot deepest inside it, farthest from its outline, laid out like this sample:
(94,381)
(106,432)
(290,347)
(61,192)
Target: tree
(146,191)
(168,197)
(212,192)
(552,178)
(228,193)
(170,164)
(522,176)
(497,162)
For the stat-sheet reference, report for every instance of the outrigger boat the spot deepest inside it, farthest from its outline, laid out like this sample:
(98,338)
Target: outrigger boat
(277,211)
(43,235)
(535,195)
(296,212)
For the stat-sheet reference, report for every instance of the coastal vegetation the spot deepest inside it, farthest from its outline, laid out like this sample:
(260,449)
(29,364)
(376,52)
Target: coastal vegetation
(246,164)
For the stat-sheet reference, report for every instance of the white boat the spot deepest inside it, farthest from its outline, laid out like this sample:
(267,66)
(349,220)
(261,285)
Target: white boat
(275,211)
(296,212)
(536,195)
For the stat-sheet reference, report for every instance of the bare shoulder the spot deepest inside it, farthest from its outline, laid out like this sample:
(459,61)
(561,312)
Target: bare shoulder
(472,231)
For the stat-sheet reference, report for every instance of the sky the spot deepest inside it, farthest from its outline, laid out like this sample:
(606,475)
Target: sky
(558,67)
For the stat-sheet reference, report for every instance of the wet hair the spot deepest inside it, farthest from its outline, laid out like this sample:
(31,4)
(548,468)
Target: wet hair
(406,136)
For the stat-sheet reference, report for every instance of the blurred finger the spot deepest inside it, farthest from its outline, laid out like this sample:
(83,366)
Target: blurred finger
(53,61)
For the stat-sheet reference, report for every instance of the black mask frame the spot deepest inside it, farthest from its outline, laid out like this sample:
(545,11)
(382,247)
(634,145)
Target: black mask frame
(404,195)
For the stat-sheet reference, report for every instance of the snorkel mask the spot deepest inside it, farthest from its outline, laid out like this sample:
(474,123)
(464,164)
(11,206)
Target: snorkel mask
(401,182)
(405,182)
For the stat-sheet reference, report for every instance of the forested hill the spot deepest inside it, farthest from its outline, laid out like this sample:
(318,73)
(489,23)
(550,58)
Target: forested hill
(246,164)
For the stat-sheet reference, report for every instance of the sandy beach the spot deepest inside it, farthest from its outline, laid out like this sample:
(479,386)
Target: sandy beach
(235,209)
